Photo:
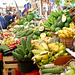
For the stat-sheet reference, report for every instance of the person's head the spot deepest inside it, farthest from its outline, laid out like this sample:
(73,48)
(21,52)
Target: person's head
(9,13)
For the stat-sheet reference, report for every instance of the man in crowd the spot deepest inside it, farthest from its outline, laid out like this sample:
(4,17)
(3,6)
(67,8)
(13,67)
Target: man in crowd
(8,19)
(3,23)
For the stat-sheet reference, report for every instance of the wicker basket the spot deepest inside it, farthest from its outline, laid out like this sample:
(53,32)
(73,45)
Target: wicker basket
(53,34)
(66,41)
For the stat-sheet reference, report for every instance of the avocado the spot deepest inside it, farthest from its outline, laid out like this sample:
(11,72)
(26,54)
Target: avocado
(55,24)
(58,28)
(60,24)
(66,24)
(52,28)
(69,19)
(59,18)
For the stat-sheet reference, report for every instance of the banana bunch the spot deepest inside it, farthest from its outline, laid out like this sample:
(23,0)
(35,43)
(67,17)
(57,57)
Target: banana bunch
(66,32)
(55,47)
(42,58)
(72,26)
(41,45)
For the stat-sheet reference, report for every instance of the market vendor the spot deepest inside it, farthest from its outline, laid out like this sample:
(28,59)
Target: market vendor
(3,23)
(8,19)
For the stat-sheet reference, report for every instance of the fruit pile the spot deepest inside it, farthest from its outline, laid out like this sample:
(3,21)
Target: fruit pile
(58,20)
(8,40)
(46,53)
(66,32)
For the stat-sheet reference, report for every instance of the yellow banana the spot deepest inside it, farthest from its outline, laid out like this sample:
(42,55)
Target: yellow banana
(44,45)
(62,47)
(38,58)
(40,63)
(39,47)
(44,61)
(44,57)
(36,51)
(65,54)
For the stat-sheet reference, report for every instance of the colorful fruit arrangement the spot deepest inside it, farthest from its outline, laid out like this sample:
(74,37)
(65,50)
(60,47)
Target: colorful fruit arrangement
(57,20)
(8,40)
(45,53)
(66,32)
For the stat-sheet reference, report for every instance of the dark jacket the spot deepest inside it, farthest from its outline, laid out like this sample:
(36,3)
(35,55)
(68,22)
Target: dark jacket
(3,23)
(8,20)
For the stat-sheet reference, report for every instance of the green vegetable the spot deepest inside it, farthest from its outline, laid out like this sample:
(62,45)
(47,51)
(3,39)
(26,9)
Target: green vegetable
(55,24)
(47,66)
(29,55)
(58,28)
(59,18)
(37,32)
(66,24)
(29,32)
(48,74)
(4,47)
(35,37)
(56,70)
(25,56)
(60,24)
(28,43)
(70,72)
(52,28)
(18,56)
(72,64)
(69,19)
(24,51)
(23,43)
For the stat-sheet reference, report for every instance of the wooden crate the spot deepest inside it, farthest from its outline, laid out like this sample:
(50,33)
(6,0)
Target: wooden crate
(9,65)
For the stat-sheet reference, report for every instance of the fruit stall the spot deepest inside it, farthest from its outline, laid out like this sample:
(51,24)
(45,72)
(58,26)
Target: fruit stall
(35,46)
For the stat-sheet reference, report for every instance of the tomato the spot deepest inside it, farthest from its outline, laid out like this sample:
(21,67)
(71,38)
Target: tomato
(25,38)
(12,46)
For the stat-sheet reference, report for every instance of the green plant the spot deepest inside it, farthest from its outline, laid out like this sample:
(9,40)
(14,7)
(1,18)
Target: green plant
(24,51)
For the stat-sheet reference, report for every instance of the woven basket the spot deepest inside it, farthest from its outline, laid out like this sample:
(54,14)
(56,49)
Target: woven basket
(53,34)
(66,41)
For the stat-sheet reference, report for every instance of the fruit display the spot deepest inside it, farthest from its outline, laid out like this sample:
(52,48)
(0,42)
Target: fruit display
(51,69)
(57,20)
(66,32)
(24,51)
(45,53)
(8,40)
(32,40)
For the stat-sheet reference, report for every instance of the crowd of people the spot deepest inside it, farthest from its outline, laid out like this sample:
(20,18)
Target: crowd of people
(8,19)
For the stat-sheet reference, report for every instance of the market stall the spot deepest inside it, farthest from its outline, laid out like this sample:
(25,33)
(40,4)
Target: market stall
(37,45)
